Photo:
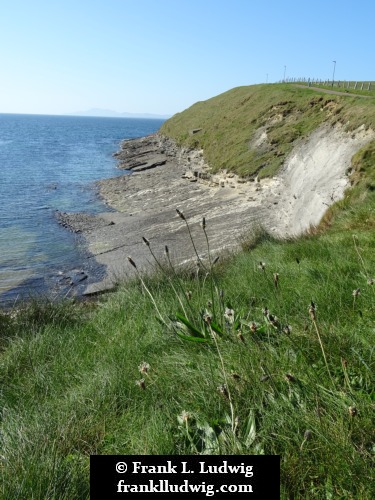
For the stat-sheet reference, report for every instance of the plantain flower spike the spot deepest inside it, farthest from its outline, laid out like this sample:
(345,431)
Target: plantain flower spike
(180,214)
(132,262)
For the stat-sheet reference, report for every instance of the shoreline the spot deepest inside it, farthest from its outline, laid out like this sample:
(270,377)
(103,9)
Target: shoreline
(165,178)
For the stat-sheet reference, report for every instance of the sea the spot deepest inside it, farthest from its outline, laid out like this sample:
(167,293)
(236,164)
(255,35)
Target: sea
(50,164)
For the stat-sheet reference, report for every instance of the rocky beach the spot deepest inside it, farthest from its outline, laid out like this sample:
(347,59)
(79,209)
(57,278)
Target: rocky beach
(162,177)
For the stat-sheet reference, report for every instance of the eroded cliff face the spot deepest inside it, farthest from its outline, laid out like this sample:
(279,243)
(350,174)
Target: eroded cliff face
(166,177)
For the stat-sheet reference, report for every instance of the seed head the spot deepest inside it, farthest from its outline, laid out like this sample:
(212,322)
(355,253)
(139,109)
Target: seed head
(307,435)
(141,383)
(209,304)
(253,327)
(241,337)
(276,279)
(290,378)
(353,412)
(204,223)
(207,318)
(185,416)
(223,391)
(132,262)
(182,216)
(312,311)
(356,292)
(189,294)
(287,329)
(144,368)
(216,260)
(145,241)
(274,320)
(166,250)
(229,315)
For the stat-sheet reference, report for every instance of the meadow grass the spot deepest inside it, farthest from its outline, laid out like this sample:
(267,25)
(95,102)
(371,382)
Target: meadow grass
(120,377)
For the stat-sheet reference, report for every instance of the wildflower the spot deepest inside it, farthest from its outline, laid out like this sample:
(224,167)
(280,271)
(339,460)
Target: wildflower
(370,281)
(353,412)
(253,326)
(209,304)
(182,216)
(236,424)
(223,391)
(276,279)
(144,367)
(262,266)
(185,416)
(241,337)
(307,435)
(189,294)
(312,311)
(132,262)
(141,383)
(356,292)
(207,318)
(287,329)
(145,241)
(229,315)
(265,311)
(274,320)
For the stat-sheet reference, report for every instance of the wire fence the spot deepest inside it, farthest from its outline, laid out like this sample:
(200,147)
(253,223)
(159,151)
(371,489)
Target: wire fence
(343,84)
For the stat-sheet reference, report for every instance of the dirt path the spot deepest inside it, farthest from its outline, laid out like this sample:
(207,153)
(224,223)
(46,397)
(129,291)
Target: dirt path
(334,92)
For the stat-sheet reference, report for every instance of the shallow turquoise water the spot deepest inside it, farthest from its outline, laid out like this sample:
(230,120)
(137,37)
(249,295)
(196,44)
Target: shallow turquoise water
(50,163)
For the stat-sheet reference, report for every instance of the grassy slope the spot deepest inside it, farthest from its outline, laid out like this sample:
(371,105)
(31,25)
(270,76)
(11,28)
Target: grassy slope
(68,372)
(229,121)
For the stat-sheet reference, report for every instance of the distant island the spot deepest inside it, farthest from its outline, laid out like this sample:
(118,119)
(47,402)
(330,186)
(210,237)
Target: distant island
(114,114)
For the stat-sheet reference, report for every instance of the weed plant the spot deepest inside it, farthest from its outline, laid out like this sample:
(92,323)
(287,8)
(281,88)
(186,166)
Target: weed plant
(270,351)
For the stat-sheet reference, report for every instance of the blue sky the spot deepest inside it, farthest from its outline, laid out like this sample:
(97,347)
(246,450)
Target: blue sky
(162,56)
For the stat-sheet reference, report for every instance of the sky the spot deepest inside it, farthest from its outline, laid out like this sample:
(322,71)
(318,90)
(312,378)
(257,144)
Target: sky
(162,56)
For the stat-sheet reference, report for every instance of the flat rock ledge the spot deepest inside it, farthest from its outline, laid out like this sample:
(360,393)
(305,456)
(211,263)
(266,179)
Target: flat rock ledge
(161,177)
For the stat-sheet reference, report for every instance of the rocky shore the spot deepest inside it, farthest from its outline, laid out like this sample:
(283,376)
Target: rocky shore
(161,177)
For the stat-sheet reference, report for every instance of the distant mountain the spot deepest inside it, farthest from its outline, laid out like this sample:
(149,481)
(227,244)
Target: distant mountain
(114,114)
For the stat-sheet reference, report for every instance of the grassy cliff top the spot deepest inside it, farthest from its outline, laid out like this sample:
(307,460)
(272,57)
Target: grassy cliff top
(227,126)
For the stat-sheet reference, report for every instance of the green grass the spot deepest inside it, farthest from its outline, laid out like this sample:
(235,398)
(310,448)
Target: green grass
(229,121)
(117,376)
(69,378)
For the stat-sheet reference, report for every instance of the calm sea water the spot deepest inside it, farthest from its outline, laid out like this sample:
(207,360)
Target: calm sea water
(50,163)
